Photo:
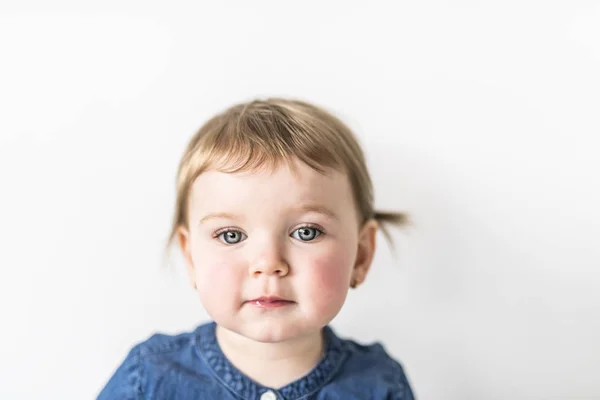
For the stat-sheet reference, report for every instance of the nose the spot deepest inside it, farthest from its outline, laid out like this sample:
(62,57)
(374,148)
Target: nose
(270,262)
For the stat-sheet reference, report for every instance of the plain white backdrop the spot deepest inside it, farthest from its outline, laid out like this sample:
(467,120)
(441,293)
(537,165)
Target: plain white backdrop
(479,119)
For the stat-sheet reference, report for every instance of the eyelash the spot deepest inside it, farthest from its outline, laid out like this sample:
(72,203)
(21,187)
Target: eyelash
(319,229)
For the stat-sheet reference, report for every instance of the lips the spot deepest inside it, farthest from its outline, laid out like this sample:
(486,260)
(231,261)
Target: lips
(270,302)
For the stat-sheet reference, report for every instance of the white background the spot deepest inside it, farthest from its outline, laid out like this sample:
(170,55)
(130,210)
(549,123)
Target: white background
(480,119)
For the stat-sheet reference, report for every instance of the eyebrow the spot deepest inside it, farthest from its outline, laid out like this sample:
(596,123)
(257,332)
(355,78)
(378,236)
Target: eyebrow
(306,208)
(318,209)
(216,215)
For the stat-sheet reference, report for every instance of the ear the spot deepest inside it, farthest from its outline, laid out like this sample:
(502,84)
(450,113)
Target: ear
(366,251)
(183,237)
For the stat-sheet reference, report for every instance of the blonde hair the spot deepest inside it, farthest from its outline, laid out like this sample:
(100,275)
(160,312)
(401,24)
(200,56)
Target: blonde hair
(264,133)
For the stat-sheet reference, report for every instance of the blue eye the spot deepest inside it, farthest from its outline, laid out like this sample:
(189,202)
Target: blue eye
(307,233)
(231,236)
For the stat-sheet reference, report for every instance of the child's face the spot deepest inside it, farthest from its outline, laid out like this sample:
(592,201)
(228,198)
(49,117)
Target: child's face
(284,234)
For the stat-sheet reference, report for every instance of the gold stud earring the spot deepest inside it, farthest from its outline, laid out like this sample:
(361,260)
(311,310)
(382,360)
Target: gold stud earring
(353,284)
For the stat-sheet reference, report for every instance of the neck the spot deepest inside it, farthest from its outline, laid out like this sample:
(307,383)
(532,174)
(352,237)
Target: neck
(272,364)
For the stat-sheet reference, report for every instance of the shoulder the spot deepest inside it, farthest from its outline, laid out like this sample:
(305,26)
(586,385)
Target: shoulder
(371,366)
(148,360)
(163,345)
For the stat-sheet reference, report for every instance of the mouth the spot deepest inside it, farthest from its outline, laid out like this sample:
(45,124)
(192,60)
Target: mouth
(270,302)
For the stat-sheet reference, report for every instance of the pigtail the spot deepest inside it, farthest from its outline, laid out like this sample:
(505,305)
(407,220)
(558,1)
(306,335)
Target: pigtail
(397,219)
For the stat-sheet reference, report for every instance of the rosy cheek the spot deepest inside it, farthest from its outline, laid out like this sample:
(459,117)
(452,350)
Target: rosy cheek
(329,277)
(218,279)
(215,273)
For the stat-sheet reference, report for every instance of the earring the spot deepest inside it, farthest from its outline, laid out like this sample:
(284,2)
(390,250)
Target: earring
(353,283)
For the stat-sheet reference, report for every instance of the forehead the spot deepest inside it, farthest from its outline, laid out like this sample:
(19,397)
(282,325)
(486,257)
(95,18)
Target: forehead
(284,185)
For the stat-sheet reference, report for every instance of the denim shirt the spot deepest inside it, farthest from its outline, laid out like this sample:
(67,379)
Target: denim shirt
(192,366)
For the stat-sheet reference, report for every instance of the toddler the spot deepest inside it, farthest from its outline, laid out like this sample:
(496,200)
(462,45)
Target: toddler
(274,218)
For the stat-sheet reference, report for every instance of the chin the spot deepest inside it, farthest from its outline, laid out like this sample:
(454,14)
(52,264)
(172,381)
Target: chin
(274,331)
(271,332)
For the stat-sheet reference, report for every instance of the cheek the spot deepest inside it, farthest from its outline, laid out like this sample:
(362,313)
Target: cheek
(212,278)
(328,278)
(218,280)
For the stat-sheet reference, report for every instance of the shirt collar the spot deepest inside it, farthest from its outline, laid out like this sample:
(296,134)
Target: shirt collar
(237,382)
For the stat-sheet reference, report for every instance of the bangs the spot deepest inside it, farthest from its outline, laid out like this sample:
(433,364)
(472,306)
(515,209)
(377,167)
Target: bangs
(266,139)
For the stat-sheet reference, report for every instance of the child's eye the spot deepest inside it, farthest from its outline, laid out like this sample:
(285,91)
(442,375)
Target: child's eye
(230,236)
(306,233)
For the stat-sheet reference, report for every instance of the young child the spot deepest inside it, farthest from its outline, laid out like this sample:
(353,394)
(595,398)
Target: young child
(274,216)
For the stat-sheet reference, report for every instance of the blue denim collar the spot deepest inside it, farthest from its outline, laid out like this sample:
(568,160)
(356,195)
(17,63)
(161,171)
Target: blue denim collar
(243,386)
